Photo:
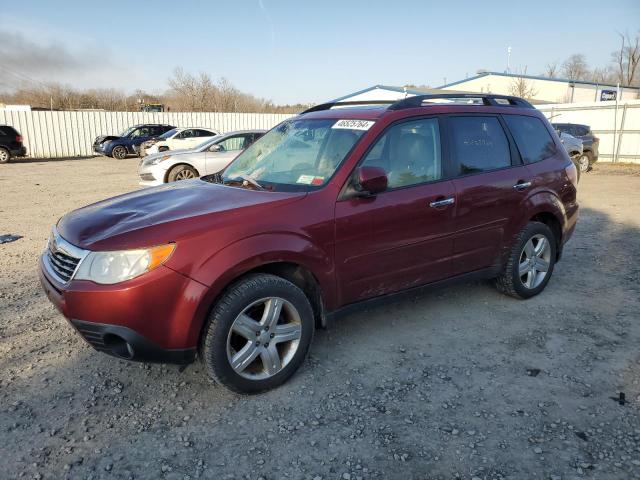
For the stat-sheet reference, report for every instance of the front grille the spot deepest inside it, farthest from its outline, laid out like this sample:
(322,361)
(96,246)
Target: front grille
(61,258)
(64,265)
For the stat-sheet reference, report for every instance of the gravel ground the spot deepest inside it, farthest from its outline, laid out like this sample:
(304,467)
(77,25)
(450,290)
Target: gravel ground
(458,383)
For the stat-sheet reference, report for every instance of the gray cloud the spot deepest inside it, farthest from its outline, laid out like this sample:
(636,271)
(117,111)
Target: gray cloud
(25,62)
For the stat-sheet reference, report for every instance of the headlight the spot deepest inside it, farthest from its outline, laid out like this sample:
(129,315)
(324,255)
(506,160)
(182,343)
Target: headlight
(157,160)
(118,266)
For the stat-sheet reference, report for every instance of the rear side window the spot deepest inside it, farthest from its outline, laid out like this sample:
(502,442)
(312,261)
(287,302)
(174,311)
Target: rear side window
(6,130)
(581,130)
(531,136)
(479,144)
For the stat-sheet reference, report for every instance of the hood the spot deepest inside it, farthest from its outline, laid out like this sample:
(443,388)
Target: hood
(104,138)
(182,151)
(163,214)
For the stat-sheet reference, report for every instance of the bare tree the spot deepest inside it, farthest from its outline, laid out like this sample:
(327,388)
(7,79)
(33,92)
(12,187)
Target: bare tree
(551,70)
(626,59)
(575,67)
(522,86)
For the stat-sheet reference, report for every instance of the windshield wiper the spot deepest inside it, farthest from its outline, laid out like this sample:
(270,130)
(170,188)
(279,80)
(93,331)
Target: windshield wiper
(247,179)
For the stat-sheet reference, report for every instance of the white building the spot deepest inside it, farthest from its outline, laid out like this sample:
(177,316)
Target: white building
(543,89)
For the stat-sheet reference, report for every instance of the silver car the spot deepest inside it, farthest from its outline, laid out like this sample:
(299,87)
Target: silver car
(209,157)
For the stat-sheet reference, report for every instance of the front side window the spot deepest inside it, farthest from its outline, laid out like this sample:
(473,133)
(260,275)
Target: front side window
(531,137)
(478,144)
(297,155)
(409,152)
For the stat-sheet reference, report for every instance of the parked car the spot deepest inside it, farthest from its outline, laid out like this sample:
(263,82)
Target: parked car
(212,156)
(10,144)
(128,142)
(176,139)
(331,210)
(574,149)
(590,143)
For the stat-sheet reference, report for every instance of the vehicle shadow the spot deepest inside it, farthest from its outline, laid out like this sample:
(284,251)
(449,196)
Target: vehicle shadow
(25,160)
(380,384)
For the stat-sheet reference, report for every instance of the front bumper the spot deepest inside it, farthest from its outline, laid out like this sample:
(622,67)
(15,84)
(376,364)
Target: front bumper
(151,176)
(156,317)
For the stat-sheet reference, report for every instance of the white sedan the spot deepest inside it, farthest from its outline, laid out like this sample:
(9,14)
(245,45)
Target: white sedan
(211,156)
(180,138)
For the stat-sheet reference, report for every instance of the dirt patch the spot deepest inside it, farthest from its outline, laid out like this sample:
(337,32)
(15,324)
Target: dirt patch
(458,383)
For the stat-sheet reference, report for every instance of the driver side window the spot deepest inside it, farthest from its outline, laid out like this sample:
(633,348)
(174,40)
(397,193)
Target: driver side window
(409,152)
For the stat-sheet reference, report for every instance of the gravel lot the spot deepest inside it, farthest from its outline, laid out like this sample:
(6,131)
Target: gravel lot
(458,383)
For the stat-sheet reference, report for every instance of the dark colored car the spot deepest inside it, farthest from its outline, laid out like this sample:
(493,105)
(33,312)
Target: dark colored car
(590,143)
(128,142)
(333,209)
(10,144)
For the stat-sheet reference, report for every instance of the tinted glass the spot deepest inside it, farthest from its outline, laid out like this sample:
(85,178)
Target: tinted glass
(531,136)
(581,131)
(237,142)
(478,144)
(409,153)
(204,133)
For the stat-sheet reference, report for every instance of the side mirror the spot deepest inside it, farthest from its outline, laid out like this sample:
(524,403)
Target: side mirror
(215,148)
(370,181)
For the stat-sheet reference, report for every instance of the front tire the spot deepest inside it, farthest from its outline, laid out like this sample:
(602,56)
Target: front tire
(119,152)
(531,261)
(5,155)
(258,334)
(182,172)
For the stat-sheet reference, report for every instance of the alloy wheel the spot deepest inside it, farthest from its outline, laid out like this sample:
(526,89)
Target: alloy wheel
(185,174)
(263,338)
(535,260)
(4,155)
(583,162)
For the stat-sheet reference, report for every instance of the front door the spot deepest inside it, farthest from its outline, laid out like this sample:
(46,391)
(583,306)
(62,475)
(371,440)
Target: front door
(490,184)
(402,237)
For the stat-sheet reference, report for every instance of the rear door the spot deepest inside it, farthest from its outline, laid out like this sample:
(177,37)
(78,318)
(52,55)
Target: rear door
(402,237)
(490,183)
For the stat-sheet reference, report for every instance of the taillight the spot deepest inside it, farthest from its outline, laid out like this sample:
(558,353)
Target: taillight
(572,174)
(19,138)
(596,139)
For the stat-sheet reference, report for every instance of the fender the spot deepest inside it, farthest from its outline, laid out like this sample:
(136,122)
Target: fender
(539,200)
(231,262)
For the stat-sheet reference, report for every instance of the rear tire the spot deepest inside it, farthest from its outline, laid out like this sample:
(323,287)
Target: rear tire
(258,334)
(182,172)
(119,152)
(531,261)
(5,155)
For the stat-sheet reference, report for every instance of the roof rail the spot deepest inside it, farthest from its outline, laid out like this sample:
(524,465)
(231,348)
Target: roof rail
(489,100)
(329,105)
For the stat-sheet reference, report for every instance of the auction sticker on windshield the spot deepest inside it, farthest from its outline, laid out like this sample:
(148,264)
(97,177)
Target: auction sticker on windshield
(354,124)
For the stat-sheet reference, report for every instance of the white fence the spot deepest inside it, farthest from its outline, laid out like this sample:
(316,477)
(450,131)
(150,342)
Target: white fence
(71,134)
(618,128)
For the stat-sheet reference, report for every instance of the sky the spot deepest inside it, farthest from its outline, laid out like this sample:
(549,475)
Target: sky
(298,51)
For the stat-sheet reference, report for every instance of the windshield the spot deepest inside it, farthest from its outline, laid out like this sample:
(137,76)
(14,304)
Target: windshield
(297,154)
(127,132)
(169,134)
(207,143)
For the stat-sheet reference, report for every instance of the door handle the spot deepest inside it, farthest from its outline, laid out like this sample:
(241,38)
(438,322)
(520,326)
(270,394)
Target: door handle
(442,203)
(522,185)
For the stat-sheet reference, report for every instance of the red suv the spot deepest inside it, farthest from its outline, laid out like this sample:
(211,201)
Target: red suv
(340,206)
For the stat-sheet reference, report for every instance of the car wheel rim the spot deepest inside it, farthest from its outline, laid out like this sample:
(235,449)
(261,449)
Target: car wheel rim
(185,175)
(119,153)
(535,260)
(583,161)
(4,155)
(264,338)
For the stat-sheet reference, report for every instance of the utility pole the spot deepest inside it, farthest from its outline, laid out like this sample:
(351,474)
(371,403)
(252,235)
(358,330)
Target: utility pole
(509,59)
